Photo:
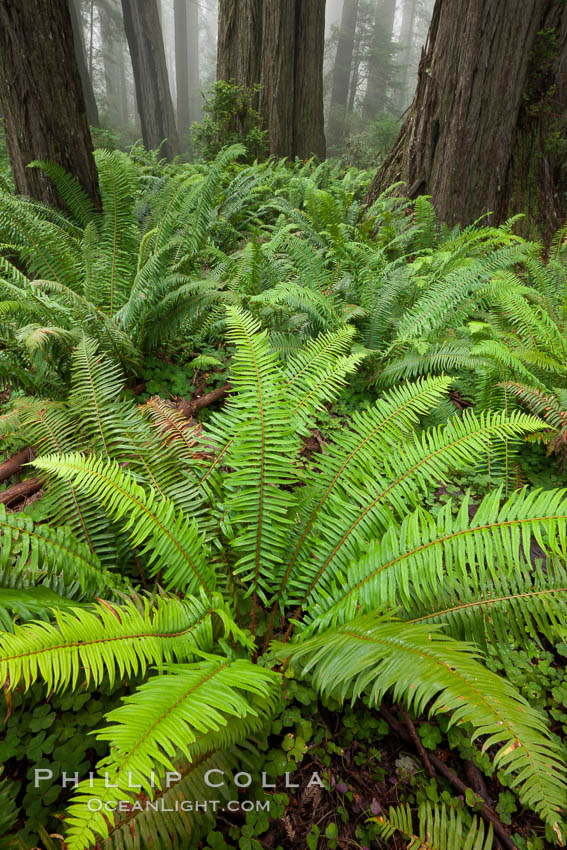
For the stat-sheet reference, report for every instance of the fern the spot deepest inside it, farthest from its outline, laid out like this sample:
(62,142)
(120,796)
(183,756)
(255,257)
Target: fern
(453,569)
(111,640)
(440,828)
(172,542)
(364,590)
(368,654)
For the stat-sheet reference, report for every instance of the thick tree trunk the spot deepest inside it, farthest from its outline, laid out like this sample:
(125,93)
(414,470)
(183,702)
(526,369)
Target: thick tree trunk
(279,44)
(181,68)
(486,130)
(81,57)
(341,73)
(277,78)
(239,45)
(380,60)
(42,98)
(144,34)
(308,116)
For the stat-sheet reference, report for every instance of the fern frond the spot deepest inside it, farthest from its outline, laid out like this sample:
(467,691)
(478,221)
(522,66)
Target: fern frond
(113,639)
(316,374)
(171,542)
(263,445)
(424,668)
(33,552)
(360,504)
(216,749)
(468,573)
(173,710)
(77,201)
(547,405)
(119,232)
(30,603)
(47,251)
(442,302)
(440,828)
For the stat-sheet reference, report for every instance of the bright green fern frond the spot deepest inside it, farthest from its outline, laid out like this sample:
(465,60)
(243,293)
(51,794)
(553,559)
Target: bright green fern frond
(96,385)
(371,437)
(440,828)
(258,423)
(112,639)
(170,712)
(119,234)
(215,749)
(424,669)
(172,542)
(466,569)
(316,373)
(358,503)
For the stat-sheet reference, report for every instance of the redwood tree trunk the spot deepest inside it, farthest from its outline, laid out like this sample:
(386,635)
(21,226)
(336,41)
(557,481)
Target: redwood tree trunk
(308,115)
(41,96)
(153,95)
(277,78)
(341,73)
(279,44)
(239,41)
(81,57)
(486,130)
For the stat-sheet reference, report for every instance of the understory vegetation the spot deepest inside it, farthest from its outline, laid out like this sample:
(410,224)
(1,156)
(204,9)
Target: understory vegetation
(290,503)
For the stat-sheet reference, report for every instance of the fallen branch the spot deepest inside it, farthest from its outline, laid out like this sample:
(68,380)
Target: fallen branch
(477,783)
(417,742)
(190,408)
(15,463)
(485,812)
(17,492)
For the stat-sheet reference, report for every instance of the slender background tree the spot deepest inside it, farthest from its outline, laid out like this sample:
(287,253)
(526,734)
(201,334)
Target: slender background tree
(182,67)
(143,31)
(81,56)
(341,73)
(380,65)
(114,58)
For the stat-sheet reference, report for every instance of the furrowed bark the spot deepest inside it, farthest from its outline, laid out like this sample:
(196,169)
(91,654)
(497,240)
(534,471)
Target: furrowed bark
(41,97)
(485,135)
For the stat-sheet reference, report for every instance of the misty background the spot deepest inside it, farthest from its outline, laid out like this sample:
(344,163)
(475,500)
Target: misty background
(374,68)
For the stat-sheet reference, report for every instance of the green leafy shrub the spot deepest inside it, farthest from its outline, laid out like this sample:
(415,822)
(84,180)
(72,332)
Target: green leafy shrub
(230,118)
